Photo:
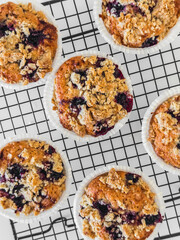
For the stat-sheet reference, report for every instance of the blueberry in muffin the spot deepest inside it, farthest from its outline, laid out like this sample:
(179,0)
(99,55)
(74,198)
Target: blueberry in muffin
(32,177)
(164,131)
(91,95)
(28,44)
(119,205)
(139,23)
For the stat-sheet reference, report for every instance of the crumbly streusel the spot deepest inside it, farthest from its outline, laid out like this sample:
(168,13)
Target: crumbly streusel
(139,23)
(28,44)
(164,132)
(32,176)
(91,95)
(117,206)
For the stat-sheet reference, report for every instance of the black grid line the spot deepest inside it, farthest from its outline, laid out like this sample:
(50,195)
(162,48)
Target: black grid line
(152,74)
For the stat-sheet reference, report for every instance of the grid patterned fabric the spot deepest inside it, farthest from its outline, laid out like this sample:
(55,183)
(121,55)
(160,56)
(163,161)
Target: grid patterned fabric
(23,112)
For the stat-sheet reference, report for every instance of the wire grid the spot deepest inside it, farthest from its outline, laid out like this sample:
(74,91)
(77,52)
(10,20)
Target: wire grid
(23,112)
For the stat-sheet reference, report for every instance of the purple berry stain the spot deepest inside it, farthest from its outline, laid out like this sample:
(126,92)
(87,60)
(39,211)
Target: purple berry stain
(115,232)
(50,150)
(153,219)
(83,76)
(35,38)
(115,8)
(118,73)
(16,171)
(99,61)
(132,178)
(102,128)
(126,100)
(174,115)
(101,207)
(76,103)
(4,28)
(150,42)
(178,145)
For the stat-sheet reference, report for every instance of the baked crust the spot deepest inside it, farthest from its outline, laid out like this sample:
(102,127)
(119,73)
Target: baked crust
(32,176)
(137,23)
(28,44)
(119,205)
(164,132)
(88,93)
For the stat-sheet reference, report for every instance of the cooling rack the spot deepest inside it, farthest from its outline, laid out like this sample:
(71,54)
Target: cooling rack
(23,112)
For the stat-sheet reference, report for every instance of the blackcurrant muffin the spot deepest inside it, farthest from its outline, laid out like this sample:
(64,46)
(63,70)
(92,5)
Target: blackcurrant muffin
(119,205)
(28,44)
(32,176)
(91,95)
(164,131)
(137,23)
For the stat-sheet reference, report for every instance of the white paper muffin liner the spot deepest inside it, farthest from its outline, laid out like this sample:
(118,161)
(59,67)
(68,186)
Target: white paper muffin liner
(9,213)
(94,174)
(38,7)
(145,129)
(170,37)
(53,115)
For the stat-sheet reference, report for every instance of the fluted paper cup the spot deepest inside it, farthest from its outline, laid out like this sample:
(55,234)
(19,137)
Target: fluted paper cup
(53,115)
(170,37)
(9,213)
(38,7)
(94,174)
(146,125)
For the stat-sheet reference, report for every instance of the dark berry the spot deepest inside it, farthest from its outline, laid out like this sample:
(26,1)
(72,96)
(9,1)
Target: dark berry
(83,76)
(115,232)
(42,174)
(19,202)
(101,207)
(76,103)
(173,115)
(55,176)
(50,150)
(16,171)
(178,145)
(17,188)
(3,29)
(102,128)
(118,73)
(150,42)
(126,100)
(3,193)
(48,165)
(1,154)
(137,9)
(130,218)
(35,38)
(2,179)
(132,178)
(153,219)
(115,8)
(99,60)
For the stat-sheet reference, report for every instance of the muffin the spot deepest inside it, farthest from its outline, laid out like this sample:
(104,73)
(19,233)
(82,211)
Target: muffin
(137,23)
(119,205)
(91,95)
(28,44)
(32,177)
(164,131)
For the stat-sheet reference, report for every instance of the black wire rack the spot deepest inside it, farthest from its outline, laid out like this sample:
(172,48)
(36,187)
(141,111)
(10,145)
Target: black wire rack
(23,112)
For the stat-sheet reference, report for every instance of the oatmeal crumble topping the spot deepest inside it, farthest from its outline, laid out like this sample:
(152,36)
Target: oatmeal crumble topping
(32,176)
(110,213)
(139,23)
(164,133)
(91,95)
(28,44)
